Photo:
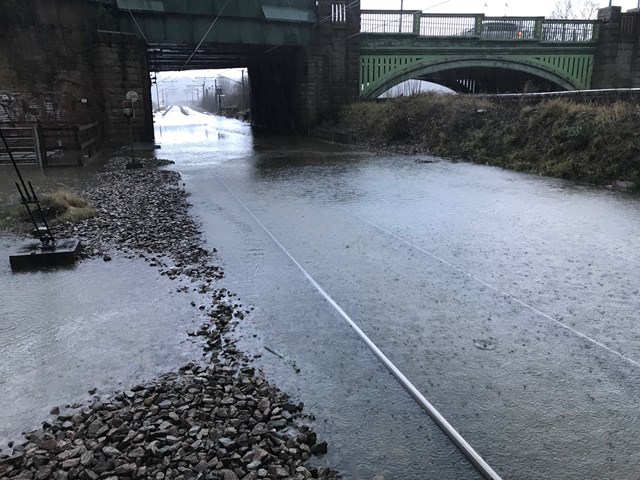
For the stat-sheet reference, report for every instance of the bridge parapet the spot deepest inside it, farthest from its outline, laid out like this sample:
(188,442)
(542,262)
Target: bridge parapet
(478,26)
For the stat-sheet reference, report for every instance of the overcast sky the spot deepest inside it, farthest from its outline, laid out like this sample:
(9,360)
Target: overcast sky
(488,7)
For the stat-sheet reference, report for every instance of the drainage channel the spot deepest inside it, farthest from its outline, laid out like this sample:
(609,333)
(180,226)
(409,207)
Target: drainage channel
(467,450)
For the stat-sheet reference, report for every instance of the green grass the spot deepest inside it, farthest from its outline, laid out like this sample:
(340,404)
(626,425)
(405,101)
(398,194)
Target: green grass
(585,142)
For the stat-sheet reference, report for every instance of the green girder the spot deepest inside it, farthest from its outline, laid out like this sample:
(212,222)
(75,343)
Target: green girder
(378,73)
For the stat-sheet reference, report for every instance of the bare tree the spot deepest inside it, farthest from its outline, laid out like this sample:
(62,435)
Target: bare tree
(580,9)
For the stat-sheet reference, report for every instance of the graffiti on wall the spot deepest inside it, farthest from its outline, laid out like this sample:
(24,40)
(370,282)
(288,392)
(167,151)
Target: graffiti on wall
(28,108)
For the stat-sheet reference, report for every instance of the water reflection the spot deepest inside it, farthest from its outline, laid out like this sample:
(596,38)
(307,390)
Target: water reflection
(432,260)
(95,325)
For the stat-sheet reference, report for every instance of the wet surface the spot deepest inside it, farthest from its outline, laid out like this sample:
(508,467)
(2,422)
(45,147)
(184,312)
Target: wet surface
(65,331)
(509,300)
(74,178)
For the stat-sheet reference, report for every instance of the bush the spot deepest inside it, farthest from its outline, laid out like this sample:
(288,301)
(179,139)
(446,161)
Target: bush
(586,142)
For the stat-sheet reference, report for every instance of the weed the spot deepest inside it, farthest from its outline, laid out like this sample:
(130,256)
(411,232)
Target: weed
(59,206)
(586,142)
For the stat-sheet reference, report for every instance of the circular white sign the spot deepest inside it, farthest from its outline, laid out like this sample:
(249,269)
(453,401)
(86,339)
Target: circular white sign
(132,95)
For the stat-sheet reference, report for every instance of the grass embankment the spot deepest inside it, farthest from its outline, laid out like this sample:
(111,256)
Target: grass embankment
(59,206)
(584,142)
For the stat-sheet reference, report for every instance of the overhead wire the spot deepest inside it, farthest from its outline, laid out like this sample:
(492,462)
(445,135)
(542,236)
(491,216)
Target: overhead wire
(349,6)
(436,5)
(206,33)
(139,29)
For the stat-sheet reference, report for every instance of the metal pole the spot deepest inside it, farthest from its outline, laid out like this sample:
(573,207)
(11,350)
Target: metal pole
(157,95)
(133,157)
(401,8)
(28,196)
(25,202)
(243,104)
(13,161)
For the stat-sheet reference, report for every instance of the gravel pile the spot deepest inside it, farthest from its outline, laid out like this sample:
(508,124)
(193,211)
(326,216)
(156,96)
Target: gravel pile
(219,420)
(143,212)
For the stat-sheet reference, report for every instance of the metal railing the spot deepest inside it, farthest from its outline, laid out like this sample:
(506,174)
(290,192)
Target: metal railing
(435,25)
(478,26)
(569,31)
(387,21)
(24,143)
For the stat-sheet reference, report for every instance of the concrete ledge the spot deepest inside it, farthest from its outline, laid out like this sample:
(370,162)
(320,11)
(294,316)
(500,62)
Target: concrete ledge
(32,255)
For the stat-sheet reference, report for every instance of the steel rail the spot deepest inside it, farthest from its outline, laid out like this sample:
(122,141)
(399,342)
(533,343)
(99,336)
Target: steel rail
(503,293)
(466,449)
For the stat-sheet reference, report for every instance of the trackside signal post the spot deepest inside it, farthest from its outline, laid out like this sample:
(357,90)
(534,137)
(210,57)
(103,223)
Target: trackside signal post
(129,111)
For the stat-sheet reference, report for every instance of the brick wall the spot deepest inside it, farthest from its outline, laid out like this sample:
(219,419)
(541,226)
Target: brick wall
(330,76)
(54,68)
(42,76)
(297,88)
(120,66)
(617,63)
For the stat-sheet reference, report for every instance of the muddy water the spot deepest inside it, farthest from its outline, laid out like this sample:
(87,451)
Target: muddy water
(509,300)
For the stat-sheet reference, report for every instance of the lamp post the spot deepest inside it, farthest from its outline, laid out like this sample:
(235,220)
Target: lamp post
(401,9)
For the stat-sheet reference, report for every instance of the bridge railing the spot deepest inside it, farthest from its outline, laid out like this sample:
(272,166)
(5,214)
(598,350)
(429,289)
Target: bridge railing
(569,31)
(443,25)
(387,21)
(478,26)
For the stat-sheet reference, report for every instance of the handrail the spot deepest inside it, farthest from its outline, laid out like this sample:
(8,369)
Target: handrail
(479,26)
(399,12)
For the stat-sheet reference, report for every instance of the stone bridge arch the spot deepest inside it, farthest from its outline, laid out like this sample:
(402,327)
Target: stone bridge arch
(565,71)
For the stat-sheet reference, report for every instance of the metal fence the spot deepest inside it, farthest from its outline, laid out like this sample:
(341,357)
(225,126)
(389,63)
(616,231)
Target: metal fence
(446,25)
(478,26)
(24,143)
(387,21)
(569,31)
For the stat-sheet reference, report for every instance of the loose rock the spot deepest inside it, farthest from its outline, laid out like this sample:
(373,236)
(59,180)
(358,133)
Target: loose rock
(220,420)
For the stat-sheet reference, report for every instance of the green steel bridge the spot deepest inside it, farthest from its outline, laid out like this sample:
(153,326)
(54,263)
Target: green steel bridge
(474,53)
(306,58)
(465,52)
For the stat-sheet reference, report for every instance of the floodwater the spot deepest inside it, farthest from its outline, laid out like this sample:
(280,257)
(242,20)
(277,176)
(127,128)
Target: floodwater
(73,178)
(509,300)
(97,325)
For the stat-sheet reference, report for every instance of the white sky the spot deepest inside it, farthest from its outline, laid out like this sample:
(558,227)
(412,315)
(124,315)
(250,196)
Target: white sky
(488,7)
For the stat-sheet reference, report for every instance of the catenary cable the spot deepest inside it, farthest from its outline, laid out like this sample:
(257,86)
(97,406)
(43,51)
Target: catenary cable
(139,29)
(206,33)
